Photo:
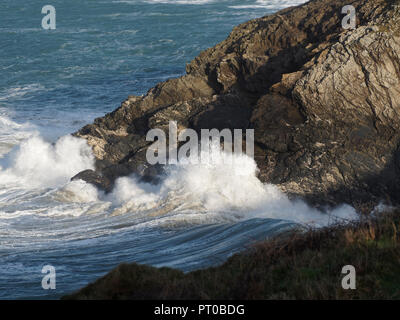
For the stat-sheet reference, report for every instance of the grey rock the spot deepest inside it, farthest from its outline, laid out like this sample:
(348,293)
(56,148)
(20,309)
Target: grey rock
(324,103)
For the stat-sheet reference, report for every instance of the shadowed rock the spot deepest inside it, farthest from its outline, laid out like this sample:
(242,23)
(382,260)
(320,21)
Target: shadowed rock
(324,103)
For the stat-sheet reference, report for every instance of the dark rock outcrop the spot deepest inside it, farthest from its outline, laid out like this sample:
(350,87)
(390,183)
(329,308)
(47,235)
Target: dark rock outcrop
(324,103)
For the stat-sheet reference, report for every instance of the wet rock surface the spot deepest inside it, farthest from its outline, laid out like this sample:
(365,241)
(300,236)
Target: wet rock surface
(324,103)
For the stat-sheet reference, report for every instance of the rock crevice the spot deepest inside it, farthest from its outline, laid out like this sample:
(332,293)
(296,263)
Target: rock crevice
(324,103)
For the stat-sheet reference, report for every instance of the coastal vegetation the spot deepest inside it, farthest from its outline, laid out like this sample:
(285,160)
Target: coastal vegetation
(300,264)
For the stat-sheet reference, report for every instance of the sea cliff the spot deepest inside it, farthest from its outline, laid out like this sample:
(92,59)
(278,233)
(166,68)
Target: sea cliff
(325,106)
(324,103)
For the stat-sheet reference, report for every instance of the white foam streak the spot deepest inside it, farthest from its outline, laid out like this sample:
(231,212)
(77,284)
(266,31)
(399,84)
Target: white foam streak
(269,4)
(12,133)
(197,2)
(258,4)
(18,92)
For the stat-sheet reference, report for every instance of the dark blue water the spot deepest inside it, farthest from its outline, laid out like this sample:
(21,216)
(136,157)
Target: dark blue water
(55,81)
(103,51)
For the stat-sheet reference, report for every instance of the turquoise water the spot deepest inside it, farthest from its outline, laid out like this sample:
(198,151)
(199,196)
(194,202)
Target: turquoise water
(55,81)
(101,52)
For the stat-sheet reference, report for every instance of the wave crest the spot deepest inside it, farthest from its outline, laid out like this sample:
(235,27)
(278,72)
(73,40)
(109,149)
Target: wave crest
(37,163)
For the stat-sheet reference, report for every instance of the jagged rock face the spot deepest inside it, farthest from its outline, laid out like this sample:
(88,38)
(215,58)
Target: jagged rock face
(324,103)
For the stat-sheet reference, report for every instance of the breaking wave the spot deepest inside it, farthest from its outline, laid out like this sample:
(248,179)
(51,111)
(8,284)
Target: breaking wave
(37,163)
(219,191)
(223,190)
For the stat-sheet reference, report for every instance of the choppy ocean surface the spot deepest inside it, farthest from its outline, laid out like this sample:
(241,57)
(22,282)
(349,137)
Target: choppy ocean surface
(52,83)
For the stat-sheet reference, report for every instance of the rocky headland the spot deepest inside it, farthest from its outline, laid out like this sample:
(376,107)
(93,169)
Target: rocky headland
(324,103)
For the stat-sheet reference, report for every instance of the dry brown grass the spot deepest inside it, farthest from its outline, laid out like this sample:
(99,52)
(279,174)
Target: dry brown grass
(296,265)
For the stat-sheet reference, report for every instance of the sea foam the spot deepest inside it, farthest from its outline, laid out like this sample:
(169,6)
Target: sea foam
(220,187)
(223,189)
(37,163)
